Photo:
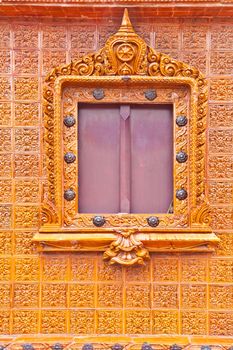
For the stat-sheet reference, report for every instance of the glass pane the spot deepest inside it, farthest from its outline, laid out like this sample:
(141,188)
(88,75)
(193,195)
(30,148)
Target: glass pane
(99,158)
(151,158)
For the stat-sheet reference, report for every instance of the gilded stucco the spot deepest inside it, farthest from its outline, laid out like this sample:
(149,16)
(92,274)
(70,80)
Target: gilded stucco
(77,293)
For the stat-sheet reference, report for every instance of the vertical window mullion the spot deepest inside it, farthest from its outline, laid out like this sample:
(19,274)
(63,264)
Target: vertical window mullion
(125,162)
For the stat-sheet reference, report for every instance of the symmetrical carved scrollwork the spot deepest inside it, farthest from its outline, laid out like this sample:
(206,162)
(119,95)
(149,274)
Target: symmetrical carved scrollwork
(126,249)
(125,61)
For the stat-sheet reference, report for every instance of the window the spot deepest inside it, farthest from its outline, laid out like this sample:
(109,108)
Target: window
(125,158)
(143,191)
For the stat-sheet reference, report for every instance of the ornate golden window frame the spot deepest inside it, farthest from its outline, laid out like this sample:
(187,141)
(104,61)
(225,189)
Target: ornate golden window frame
(125,238)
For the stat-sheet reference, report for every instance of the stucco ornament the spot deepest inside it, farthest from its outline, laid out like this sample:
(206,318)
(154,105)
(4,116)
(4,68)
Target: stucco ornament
(126,66)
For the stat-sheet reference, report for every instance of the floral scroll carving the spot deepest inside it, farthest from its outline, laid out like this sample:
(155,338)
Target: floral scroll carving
(126,249)
(128,67)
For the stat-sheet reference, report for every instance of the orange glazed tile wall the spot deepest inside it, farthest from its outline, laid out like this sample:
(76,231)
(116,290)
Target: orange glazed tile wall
(77,293)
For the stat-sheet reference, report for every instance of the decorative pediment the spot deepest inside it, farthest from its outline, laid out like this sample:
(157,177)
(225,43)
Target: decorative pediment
(126,53)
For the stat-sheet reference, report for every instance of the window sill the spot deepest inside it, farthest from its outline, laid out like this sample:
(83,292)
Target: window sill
(167,241)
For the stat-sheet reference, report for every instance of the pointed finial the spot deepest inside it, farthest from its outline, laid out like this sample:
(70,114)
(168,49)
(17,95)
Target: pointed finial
(126,26)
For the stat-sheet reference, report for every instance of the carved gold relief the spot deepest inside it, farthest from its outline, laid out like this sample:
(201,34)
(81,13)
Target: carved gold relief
(126,250)
(126,66)
(71,97)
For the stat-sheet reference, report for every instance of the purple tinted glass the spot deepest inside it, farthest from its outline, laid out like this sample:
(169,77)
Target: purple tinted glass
(125,158)
(99,158)
(151,158)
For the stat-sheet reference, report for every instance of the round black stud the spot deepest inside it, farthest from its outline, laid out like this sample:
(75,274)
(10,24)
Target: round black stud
(181,194)
(69,195)
(98,94)
(69,157)
(69,121)
(27,346)
(98,220)
(117,347)
(126,78)
(150,95)
(175,347)
(87,346)
(181,157)
(146,346)
(57,346)
(153,221)
(206,347)
(181,120)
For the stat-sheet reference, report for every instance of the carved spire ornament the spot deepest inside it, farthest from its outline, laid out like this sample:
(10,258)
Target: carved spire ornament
(126,50)
(124,70)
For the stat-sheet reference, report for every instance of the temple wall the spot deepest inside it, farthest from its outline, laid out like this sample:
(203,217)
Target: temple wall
(77,294)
